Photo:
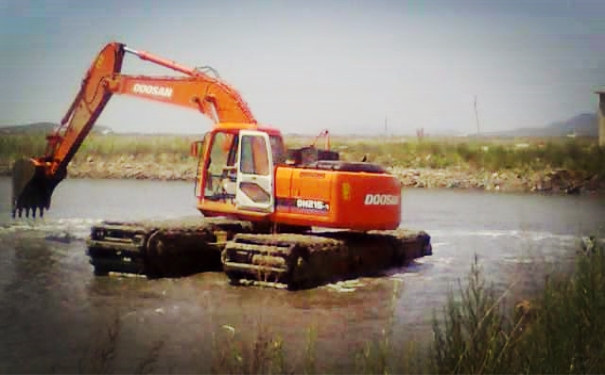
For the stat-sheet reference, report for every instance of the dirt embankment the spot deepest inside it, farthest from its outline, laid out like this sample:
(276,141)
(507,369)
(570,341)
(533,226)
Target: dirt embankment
(165,167)
(556,181)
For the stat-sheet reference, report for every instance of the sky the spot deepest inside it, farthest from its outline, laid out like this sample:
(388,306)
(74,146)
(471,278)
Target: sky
(351,66)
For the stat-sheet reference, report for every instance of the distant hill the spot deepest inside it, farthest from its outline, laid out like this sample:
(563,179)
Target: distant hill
(44,127)
(582,125)
(585,125)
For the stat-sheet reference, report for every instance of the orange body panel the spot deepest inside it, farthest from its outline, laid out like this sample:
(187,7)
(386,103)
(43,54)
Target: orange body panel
(237,126)
(204,94)
(336,199)
(330,199)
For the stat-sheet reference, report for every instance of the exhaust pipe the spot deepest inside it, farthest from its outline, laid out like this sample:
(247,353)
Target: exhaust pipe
(32,188)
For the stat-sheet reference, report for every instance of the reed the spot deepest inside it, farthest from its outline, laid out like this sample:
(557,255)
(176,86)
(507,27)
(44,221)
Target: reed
(581,155)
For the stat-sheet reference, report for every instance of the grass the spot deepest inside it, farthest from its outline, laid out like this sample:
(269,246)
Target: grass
(523,155)
(15,146)
(579,155)
(559,330)
(492,155)
(567,335)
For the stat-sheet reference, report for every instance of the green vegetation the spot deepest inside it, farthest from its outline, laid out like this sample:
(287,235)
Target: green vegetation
(115,145)
(16,146)
(581,155)
(560,330)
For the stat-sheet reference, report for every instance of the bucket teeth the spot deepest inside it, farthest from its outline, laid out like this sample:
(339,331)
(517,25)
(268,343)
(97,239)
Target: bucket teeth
(35,211)
(32,188)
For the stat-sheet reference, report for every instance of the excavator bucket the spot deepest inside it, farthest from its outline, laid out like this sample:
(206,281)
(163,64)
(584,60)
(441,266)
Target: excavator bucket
(32,189)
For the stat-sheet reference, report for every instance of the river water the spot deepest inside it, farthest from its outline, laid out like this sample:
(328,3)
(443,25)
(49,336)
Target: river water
(54,313)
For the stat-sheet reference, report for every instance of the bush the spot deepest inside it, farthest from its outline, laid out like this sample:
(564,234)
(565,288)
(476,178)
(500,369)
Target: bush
(560,331)
(492,155)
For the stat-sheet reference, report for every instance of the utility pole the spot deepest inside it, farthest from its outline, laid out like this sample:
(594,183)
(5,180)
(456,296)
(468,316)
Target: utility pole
(386,132)
(476,115)
(601,118)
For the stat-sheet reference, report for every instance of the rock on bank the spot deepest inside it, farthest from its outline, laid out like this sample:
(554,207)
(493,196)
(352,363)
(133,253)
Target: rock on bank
(175,168)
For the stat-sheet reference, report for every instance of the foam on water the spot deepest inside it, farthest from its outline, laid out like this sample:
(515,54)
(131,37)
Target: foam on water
(519,260)
(436,259)
(520,234)
(406,275)
(77,228)
(347,286)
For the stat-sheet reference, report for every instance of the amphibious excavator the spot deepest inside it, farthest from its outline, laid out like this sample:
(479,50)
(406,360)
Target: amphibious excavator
(295,217)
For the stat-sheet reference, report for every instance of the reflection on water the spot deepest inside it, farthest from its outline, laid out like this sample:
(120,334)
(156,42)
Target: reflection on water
(53,311)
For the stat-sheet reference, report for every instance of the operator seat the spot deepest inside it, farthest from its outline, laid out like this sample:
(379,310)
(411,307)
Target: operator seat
(228,182)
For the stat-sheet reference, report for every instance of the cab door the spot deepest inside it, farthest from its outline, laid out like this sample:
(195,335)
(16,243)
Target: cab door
(198,150)
(255,177)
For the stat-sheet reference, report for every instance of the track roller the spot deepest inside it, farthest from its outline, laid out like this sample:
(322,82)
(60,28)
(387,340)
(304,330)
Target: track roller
(297,261)
(166,248)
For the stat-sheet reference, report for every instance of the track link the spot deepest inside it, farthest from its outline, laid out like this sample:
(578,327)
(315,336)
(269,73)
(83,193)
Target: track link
(299,261)
(161,248)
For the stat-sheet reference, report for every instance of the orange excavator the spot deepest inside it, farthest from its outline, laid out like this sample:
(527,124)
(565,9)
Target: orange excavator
(249,188)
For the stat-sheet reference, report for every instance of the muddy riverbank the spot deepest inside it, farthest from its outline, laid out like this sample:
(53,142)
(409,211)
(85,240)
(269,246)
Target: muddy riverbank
(174,168)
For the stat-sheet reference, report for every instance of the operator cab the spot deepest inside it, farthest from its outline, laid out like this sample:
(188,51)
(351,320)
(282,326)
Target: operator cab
(236,166)
(232,157)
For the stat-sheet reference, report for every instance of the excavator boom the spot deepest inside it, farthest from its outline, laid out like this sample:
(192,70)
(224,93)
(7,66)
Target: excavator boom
(35,179)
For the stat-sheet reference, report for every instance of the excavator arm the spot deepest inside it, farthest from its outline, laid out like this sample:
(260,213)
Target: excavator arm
(35,179)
